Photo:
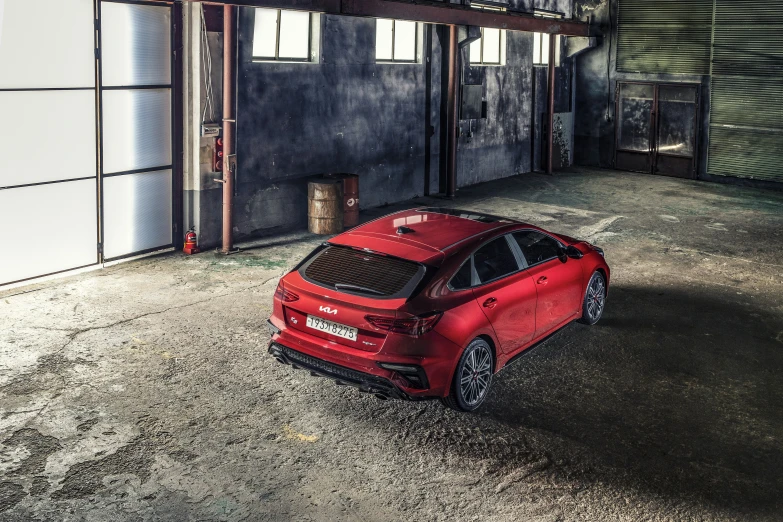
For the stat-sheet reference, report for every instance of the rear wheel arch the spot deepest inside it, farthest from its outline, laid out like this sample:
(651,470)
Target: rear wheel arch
(601,271)
(491,342)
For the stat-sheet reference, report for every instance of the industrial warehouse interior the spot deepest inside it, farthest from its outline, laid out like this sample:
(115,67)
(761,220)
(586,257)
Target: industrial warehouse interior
(171,170)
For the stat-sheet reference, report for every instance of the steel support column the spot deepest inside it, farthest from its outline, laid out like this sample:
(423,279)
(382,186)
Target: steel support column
(550,114)
(229,125)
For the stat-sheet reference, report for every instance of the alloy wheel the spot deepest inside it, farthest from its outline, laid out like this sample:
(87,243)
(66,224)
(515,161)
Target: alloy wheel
(596,297)
(475,375)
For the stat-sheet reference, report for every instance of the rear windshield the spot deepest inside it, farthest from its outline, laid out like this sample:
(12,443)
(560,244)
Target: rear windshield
(356,272)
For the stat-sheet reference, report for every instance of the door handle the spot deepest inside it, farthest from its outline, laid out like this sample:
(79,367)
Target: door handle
(542,280)
(490,303)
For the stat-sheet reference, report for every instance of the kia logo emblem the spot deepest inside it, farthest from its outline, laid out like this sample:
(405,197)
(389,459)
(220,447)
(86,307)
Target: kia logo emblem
(328,310)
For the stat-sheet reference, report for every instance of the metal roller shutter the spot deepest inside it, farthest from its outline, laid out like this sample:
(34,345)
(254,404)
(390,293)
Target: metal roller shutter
(665,36)
(746,126)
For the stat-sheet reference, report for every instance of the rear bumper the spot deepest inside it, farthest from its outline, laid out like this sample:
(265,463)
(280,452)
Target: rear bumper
(365,382)
(432,355)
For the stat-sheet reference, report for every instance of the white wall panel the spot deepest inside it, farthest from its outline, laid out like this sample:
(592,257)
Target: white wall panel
(47,136)
(47,228)
(47,43)
(137,212)
(136,129)
(135,44)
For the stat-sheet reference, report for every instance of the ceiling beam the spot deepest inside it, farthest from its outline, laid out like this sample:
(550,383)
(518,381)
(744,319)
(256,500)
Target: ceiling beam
(452,14)
(423,11)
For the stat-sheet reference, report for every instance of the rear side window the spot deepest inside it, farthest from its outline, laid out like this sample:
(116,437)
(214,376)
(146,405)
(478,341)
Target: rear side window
(494,260)
(462,279)
(536,247)
(370,275)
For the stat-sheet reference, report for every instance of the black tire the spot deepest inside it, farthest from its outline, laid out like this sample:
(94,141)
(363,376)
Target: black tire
(594,302)
(472,378)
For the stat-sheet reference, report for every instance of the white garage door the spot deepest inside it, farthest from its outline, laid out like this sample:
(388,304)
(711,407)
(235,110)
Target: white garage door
(48,157)
(58,210)
(137,122)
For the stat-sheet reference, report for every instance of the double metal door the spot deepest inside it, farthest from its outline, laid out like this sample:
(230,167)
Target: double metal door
(657,128)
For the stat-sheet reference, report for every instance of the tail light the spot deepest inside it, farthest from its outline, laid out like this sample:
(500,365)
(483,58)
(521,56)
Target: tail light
(285,295)
(414,326)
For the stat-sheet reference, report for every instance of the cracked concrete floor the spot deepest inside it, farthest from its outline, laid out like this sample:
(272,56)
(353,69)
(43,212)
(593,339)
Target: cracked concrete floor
(143,391)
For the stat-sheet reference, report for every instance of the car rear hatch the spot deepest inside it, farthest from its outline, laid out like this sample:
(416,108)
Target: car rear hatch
(345,285)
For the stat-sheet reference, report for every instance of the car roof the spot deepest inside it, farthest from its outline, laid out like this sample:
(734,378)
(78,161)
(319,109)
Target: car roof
(424,235)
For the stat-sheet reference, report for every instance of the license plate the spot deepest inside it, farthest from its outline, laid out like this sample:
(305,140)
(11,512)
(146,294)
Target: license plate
(340,330)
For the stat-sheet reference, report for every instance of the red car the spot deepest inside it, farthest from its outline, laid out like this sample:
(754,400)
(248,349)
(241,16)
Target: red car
(432,302)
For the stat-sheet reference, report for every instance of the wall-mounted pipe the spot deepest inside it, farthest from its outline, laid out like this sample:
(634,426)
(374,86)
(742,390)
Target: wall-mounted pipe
(229,125)
(551,105)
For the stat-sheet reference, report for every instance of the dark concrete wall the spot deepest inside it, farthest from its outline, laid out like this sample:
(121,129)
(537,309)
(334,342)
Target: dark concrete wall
(343,114)
(500,145)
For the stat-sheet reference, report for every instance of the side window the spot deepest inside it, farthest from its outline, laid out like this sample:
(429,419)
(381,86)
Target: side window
(494,260)
(537,247)
(462,279)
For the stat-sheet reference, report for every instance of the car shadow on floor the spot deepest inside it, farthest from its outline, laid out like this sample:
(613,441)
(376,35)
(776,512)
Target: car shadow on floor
(675,390)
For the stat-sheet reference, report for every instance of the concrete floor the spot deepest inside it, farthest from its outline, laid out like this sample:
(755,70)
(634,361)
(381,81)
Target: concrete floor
(144,391)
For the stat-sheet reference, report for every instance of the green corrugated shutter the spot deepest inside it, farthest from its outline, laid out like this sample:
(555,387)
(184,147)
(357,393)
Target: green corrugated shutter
(664,36)
(746,115)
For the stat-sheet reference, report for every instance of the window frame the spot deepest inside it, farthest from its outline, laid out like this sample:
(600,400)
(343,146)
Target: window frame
(522,254)
(541,62)
(501,53)
(501,44)
(310,56)
(416,53)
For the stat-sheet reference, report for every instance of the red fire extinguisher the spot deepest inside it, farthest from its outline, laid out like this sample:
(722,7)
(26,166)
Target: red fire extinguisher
(191,246)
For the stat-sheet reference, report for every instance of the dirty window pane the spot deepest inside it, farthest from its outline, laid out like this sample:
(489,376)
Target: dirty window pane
(265,33)
(491,46)
(294,35)
(544,49)
(536,48)
(677,127)
(636,103)
(405,41)
(475,51)
(383,39)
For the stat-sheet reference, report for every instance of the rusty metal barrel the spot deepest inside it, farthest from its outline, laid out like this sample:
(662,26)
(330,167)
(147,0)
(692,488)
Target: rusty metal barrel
(350,198)
(325,206)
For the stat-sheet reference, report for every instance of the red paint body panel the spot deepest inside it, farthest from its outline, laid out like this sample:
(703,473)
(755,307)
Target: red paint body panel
(522,311)
(559,292)
(510,306)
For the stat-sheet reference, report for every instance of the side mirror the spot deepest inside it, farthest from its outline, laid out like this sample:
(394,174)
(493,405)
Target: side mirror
(573,252)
